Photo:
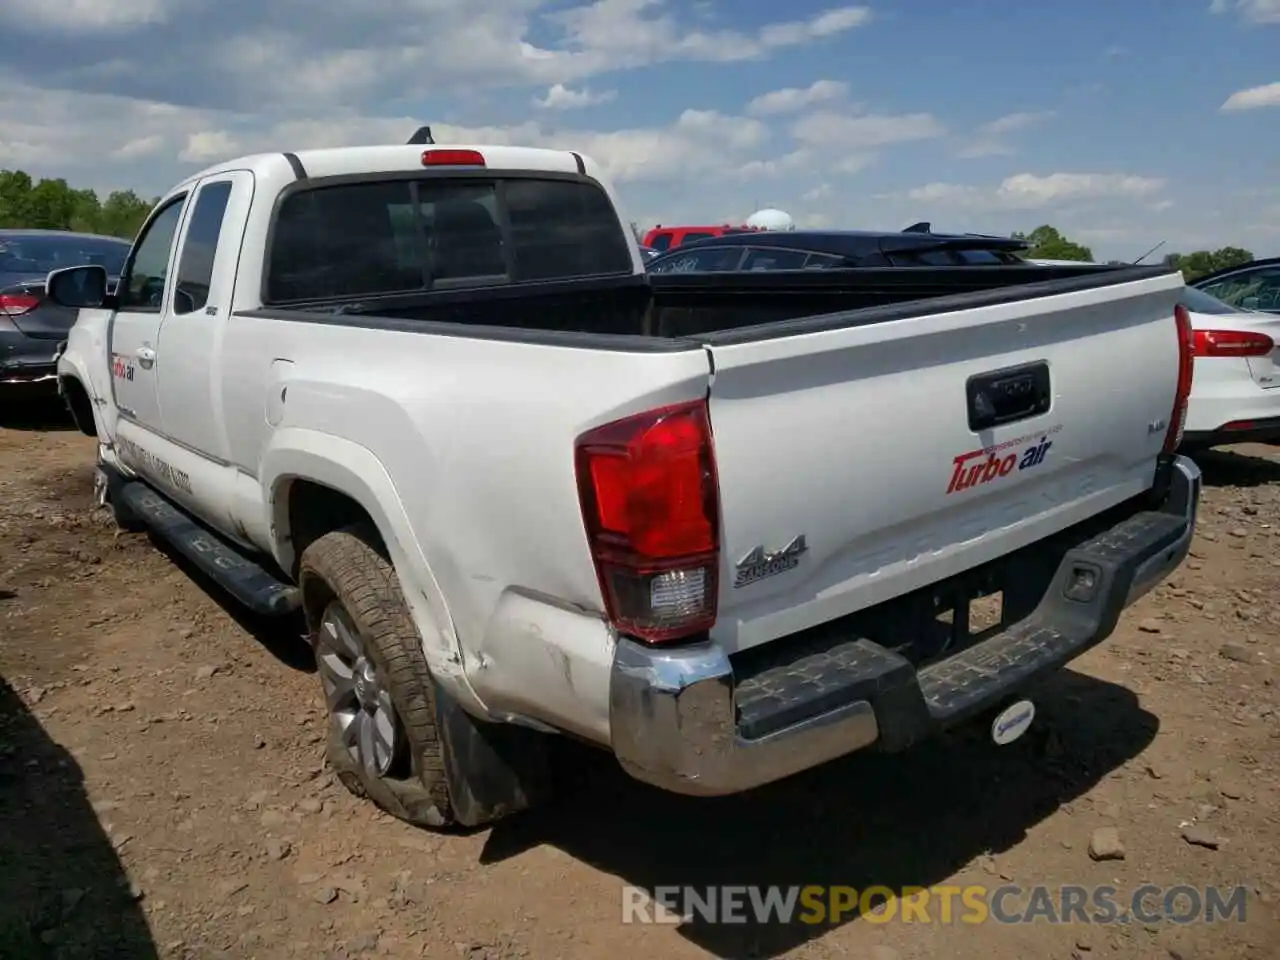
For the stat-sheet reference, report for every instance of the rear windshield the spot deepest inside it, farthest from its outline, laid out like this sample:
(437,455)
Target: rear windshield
(402,236)
(1201,302)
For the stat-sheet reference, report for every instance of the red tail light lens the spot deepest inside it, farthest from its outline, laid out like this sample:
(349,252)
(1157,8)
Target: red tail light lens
(452,158)
(1186,371)
(16,304)
(1232,343)
(650,501)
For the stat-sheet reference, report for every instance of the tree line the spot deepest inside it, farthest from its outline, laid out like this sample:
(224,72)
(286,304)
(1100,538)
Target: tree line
(55,205)
(1049,243)
(26,203)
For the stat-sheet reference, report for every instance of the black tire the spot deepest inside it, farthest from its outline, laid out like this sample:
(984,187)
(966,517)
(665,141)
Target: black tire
(346,567)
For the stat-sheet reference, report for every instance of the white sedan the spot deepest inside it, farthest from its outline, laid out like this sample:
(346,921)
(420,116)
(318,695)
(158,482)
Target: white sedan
(1235,393)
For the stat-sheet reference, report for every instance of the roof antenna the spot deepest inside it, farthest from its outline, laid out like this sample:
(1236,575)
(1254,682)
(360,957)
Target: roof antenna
(421,135)
(924,226)
(1150,252)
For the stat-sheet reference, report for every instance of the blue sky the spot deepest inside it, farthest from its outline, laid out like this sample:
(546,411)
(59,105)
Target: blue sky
(1122,123)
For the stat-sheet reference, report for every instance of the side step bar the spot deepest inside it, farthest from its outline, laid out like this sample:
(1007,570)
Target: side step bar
(248,582)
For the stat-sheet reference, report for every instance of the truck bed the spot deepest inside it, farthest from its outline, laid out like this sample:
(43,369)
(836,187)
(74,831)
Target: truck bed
(696,306)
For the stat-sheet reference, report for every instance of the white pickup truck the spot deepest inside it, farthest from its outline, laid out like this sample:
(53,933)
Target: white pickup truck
(714,524)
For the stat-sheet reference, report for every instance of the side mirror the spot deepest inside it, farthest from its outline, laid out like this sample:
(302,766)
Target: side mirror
(77,286)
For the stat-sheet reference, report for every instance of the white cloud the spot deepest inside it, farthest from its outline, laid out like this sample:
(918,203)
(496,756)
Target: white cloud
(209,146)
(819,192)
(228,55)
(989,141)
(1251,11)
(860,132)
(612,34)
(1012,122)
(795,99)
(1027,191)
(794,162)
(1253,98)
(560,97)
(91,16)
(147,146)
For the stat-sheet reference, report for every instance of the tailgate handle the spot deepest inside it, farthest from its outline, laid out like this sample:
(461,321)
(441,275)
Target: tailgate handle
(1008,395)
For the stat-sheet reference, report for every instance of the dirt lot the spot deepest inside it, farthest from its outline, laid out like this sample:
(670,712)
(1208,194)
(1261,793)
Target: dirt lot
(162,791)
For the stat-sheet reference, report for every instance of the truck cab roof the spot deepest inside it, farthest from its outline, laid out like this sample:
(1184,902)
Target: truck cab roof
(363,161)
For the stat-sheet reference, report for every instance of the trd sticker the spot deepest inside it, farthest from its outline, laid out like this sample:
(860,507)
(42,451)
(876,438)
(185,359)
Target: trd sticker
(121,367)
(146,461)
(1022,453)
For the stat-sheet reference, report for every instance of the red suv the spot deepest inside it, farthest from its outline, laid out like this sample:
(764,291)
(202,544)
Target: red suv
(666,238)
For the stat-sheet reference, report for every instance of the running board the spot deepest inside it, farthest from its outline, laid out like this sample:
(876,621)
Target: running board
(249,583)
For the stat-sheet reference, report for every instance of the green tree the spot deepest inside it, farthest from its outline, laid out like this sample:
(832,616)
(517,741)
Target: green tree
(55,205)
(1048,243)
(1201,262)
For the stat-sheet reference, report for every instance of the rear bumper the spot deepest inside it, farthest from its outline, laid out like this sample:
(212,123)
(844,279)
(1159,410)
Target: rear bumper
(27,363)
(41,377)
(1266,430)
(681,720)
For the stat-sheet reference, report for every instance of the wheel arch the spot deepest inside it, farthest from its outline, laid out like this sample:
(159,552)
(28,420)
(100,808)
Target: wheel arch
(315,483)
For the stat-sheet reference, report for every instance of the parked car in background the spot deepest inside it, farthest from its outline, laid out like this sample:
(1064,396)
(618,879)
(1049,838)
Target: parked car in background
(1235,396)
(837,249)
(1253,286)
(32,326)
(662,238)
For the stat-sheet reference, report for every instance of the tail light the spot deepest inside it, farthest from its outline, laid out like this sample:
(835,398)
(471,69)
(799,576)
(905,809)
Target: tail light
(1232,343)
(650,501)
(452,158)
(16,304)
(1186,370)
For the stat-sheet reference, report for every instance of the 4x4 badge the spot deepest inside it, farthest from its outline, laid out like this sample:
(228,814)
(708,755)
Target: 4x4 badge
(757,564)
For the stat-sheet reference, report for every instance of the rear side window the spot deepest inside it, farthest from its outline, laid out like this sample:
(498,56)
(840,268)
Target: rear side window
(950,258)
(700,260)
(402,236)
(195,269)
(772,258)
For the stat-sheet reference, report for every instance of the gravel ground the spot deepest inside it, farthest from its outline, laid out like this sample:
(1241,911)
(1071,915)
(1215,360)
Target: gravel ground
(163,793)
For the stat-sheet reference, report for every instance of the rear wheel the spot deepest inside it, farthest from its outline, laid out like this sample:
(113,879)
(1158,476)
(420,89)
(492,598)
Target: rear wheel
(383,741)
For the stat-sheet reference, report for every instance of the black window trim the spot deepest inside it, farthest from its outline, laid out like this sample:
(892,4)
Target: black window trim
(197,194)
(414,177)
(126,273)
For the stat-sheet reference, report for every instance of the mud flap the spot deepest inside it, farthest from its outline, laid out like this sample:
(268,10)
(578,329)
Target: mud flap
(491,770)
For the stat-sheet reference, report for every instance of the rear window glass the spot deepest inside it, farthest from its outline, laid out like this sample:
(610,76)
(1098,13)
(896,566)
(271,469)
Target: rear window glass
(951,258)
(401,236)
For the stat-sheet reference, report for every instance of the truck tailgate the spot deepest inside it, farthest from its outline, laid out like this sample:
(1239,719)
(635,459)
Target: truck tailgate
(852,467)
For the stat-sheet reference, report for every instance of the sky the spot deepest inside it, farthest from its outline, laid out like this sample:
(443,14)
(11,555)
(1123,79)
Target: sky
(1123,124)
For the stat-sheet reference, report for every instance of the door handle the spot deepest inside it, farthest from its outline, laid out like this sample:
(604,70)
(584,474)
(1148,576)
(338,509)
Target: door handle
(146,357)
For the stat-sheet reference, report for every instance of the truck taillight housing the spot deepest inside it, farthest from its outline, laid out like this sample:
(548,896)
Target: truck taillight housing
(650,501)
(1186,370)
